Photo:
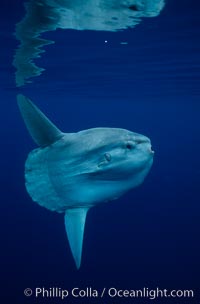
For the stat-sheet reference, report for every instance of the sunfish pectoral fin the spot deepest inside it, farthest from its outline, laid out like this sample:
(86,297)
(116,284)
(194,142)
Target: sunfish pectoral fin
(74,225)
(42,130)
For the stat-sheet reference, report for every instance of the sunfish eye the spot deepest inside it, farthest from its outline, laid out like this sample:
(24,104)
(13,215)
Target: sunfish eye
(133,8)
(130,145)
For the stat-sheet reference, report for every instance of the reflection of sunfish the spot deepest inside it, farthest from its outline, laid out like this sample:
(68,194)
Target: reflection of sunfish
(71,172)
(49,15)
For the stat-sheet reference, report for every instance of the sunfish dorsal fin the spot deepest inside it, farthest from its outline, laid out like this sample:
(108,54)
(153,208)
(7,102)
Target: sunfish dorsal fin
(74,225)
(42,130)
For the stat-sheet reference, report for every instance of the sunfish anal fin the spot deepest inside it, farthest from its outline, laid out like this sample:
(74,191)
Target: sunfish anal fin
(74,225)
(42,130)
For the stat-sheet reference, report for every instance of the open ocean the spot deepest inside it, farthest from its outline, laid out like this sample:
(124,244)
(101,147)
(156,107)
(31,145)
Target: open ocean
(145,79)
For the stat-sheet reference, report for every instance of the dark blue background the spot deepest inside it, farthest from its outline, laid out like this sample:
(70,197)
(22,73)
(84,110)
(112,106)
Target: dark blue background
(150,236)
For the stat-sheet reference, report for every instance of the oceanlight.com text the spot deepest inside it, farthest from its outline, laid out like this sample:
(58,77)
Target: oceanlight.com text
(111,292)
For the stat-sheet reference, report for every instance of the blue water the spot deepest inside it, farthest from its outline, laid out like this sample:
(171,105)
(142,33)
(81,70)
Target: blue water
(150,236)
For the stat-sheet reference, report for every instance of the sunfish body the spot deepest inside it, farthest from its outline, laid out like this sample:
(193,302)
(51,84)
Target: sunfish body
(71,172)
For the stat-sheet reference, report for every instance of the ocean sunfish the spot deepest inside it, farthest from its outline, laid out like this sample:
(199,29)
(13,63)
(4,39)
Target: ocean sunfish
(71,172)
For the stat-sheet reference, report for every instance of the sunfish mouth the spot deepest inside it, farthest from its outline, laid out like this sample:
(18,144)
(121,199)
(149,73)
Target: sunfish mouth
(144,140)
(151,150)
